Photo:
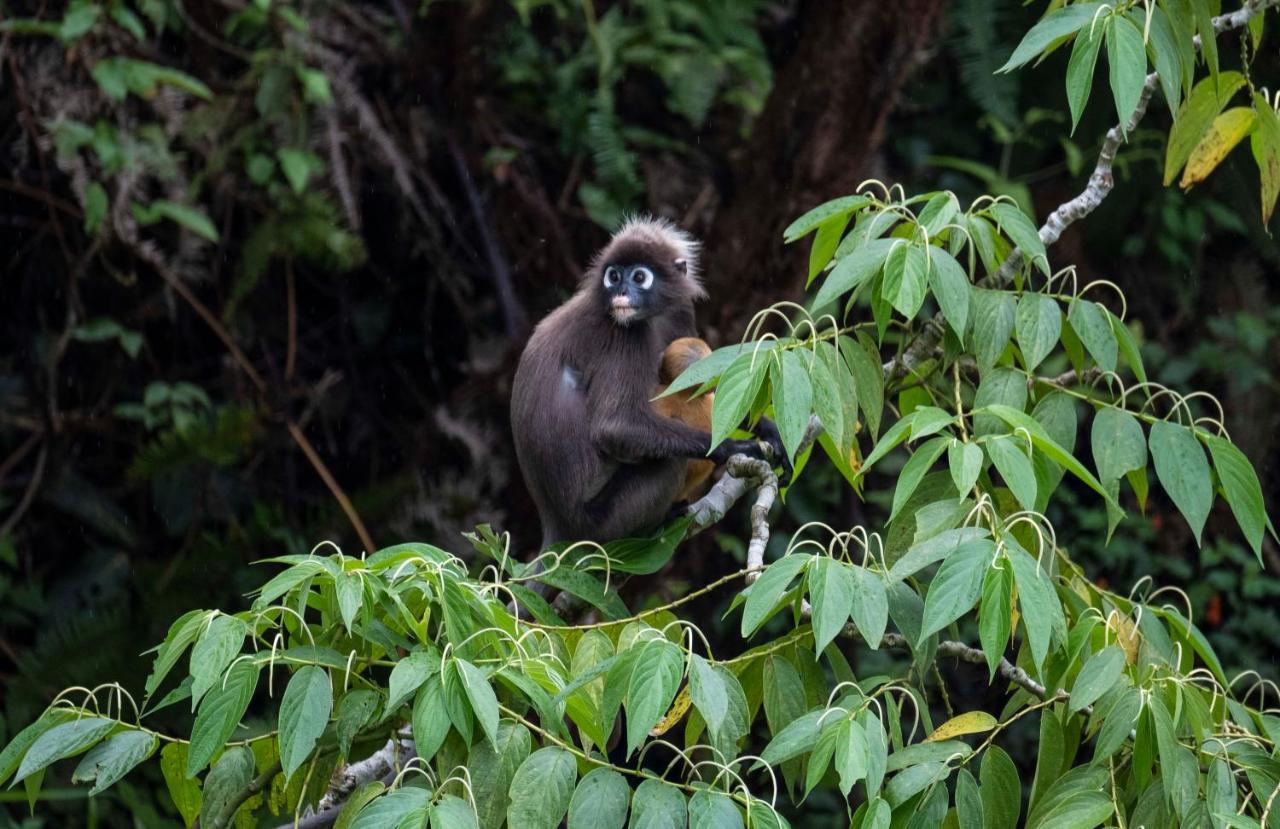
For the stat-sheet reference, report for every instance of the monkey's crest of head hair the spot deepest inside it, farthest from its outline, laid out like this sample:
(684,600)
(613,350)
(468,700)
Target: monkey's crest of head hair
(663,239)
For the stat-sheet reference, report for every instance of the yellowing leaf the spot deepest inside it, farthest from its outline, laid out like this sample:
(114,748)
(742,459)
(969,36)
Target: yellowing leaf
(971,722)
(679,707)
(1126,633)
(1227,130)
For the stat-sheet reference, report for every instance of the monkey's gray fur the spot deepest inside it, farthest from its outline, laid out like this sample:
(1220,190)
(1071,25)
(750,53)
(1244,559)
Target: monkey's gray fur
(599,462)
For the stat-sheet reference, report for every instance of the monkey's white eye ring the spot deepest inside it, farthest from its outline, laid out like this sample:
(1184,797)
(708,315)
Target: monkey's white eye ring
(612,276)
(643,277)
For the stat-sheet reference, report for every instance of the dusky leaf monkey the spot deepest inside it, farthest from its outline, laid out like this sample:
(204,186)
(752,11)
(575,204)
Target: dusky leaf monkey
(600,460)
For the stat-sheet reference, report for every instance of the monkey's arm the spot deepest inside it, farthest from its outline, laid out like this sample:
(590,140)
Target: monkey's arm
(636,436)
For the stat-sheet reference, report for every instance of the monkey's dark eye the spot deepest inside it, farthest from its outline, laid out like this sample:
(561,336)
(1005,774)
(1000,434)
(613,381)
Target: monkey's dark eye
(642,277)
(612,276)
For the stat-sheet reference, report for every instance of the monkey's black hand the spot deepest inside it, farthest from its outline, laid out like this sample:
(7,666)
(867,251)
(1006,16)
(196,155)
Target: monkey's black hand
(731,447)
(768,432)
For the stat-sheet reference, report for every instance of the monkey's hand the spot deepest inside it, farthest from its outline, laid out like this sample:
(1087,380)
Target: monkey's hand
(764,450)
(767,430)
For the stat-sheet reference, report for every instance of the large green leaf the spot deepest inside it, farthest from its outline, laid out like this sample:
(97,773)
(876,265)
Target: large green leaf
(541,789)
(1118,443)
(1038,322)
(304,713)
(1183,472)
(484,703)
(600,801)
(492,768)
(657,805)
(831,590)
(1127,57)
(955,588)
(713,810)
(1010,458)
(792,399)
(993,320)
(1197,112)
(653,685)
(735,392)
(1098,675)
(1084,57)
(217,646)
(219,713)
(870,605)
(906,271)
(61,741)
(1242,489)
(768,589)
(950,286)
(862,263)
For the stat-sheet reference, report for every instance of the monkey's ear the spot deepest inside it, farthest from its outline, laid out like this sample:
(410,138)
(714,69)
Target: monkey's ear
(682,266)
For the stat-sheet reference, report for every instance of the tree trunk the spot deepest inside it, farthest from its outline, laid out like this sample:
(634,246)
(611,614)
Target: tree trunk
(822,124)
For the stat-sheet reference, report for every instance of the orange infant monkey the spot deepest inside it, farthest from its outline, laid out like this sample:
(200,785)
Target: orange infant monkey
(696,412)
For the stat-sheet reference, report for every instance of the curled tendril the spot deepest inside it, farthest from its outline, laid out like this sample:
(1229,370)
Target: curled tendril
(1107,283)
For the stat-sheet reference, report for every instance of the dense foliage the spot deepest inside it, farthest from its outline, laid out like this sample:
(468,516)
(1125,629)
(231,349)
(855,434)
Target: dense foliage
(931,326)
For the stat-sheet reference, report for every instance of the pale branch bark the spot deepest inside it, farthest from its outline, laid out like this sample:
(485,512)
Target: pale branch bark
(383,763)
(1101,181)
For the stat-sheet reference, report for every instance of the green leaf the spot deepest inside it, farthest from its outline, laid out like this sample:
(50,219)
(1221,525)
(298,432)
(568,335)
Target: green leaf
(652,687)
(713,810)
(657,805)
(965,462)
(226,780)
(297,166)
(735,392)
(600,801)
(911,781)
(923,553)
(768,589)
(995,621)
(905,276)
(181,634)
(825,243)
(541,789)
(716,363)
(430,717)
(218,645)
(709,694)
(1022,231)
(955,588)
(185,793)
(851,755)
(821,214)
(588,588)
(188,217)
(1197,112)
(355,711)
(1118,443)
(452,812)
(870,605)
(304,712)
(792,400)
(854,269)
(1242,489)
(831,590)
(1038,602)
(1118,723)
(969,812)
(409,674)
(405,807)
(1039,324)
(864,363)
(1009,457)
(914,470)
(1166,54)
(1127,57)
(1090,322)
(1001,789)
(993,320)
(1208,36)
(1128,346)
(1084,57)
(1049,447)
(492,769)
(219,713)
(484,703)
(1001,385)
(60,742)
(1183,472)
(827,399)
(1055,25)
(794,739)
(1265,145)
(951,288)
(113,758)
(1098,675)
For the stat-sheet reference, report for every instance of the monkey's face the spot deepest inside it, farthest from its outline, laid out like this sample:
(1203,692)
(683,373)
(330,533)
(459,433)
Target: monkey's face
(632,291)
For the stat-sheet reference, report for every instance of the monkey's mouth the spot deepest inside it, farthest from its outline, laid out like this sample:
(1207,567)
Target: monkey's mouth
(623,311)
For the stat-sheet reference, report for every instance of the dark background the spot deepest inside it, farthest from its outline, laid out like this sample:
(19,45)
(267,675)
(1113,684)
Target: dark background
(465,162)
